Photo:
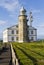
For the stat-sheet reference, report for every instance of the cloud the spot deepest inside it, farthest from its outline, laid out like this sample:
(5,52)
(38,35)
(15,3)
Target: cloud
(35,11)
(2,22)
(40,24)
(40,28)
(10,5)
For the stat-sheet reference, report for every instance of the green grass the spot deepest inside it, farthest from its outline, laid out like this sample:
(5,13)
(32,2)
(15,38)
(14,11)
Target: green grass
(30,53)
(1,45)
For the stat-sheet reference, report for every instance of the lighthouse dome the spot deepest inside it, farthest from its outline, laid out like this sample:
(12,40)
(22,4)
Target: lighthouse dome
(22,11)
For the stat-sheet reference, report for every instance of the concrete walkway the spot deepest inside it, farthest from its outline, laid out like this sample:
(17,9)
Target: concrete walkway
(5,56)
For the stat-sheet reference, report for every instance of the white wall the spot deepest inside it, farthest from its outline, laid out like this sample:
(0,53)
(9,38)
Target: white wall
(5,36)
(34,38)
(10,38)
(34,35)
(34,32)
(10,32)
(10,35)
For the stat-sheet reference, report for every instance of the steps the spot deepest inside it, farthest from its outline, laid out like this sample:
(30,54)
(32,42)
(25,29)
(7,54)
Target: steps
(5,56)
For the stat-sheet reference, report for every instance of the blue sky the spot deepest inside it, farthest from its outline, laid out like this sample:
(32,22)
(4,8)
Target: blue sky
(9,12)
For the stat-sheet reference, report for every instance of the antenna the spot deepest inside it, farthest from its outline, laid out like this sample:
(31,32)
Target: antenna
(31,18)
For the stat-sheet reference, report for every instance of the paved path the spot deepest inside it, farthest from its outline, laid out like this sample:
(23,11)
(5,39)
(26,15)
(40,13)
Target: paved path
(5,56)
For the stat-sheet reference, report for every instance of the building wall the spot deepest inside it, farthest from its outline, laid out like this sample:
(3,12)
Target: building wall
(10,35)
(34,38)
(34,35)
(5,36)
(10,32)
(10,39)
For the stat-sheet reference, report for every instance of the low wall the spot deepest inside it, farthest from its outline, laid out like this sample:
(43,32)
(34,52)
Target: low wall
(14,58)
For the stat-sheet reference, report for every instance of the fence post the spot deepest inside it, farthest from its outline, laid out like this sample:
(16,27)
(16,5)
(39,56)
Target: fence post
(17,63)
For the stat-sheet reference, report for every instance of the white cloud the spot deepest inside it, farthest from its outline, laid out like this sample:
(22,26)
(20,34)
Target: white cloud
(40,24)
(40,28)
(35,11)
(2,22)
(10,5)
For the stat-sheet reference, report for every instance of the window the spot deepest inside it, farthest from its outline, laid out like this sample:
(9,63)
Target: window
(12,38)
(32,38)
(16,31)
(24,20)
(17,26)
(31,32)
(12,31)
(16,38)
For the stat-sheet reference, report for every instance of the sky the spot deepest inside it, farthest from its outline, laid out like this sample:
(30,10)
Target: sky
(9,12)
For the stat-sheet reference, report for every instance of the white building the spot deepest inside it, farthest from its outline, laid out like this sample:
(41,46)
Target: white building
(11,34)
(21,32)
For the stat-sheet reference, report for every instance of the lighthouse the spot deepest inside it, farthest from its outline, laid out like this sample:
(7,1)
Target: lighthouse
(21,32)
(23,25)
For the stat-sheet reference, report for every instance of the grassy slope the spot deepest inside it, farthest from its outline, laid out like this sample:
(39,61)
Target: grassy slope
(30,53)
